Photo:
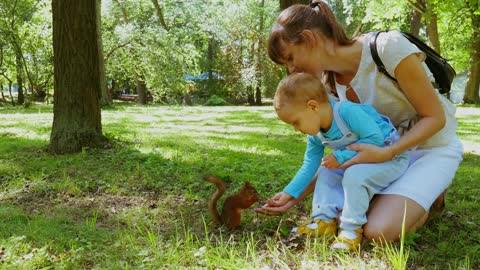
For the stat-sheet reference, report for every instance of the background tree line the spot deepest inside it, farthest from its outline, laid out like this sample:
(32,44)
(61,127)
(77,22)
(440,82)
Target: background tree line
(94,50)
(148,45)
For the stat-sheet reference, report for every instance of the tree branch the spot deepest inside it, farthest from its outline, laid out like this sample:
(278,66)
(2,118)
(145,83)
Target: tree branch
(160,16)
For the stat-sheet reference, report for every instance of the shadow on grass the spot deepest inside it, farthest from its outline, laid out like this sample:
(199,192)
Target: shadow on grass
(52,198)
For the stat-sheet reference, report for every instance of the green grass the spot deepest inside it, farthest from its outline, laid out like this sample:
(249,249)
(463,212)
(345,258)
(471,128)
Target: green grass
(141,204)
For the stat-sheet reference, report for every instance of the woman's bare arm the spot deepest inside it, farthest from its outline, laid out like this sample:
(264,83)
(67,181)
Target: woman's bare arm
(414,82)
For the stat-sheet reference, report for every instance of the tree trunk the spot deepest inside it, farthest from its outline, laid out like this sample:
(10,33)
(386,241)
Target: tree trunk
(250,96)
(260,53)
(106,99)
(251,87)
(473,81)
(76,112)
(286,3)
(10,92)
(141,90)
(258,93)
(432,29)
(415,22)
(211,90)
(19,65)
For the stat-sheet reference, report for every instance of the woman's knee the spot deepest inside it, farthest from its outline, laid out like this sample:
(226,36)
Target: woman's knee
(381,230)
(385,217)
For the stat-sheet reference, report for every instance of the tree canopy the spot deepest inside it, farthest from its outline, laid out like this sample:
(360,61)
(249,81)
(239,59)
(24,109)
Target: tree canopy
(149,45)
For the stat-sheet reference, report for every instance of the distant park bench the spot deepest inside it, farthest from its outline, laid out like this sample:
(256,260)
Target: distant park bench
(128,97)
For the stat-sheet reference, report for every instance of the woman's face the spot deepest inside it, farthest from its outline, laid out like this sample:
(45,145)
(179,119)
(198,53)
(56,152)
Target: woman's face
(302,58)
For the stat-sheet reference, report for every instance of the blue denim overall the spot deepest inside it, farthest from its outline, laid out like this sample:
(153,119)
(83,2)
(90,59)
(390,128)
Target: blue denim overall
(352,189)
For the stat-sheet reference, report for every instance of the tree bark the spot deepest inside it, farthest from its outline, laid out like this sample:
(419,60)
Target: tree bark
(473,82)
(10,92)
(19,65)
(76,111)
(260,58)
(415,22)
(250,96)
(160,16)
(286,3)
(250,87)
(141,90)
(106,98)
(432,29)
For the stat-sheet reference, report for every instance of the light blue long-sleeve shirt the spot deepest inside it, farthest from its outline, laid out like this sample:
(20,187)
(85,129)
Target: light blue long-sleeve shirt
(362,120)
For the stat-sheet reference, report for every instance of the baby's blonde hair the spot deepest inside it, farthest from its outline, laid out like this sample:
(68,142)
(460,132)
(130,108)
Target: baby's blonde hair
(299,88)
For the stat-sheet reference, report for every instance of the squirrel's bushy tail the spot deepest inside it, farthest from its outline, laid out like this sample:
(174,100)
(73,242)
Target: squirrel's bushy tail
(212,203)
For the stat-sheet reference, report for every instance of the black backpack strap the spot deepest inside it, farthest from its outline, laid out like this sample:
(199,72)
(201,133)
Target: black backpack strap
(376,58)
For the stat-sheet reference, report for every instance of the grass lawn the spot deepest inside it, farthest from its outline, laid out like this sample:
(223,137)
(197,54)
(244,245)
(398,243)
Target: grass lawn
(141,203)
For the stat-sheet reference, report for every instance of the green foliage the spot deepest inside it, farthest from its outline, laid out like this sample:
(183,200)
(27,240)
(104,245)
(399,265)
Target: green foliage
(25,26)
(454,30)
(215,101)
(226,36)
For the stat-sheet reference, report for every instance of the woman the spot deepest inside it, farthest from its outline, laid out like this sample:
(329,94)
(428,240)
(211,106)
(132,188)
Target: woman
(307,38)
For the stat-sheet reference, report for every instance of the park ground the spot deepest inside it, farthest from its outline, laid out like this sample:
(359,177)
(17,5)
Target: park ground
(140,202)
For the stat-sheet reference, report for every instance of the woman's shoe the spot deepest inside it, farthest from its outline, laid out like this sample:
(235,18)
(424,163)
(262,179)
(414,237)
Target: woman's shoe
(439,203)
(318,228)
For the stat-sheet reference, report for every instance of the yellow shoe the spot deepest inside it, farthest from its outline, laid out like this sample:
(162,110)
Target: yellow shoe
(348,243)
(318,228)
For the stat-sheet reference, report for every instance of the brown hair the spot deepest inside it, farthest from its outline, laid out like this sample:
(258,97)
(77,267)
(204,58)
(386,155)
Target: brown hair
(292,21)
(297,88)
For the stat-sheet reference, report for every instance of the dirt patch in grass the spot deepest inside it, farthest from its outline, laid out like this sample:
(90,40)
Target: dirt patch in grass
(111,210)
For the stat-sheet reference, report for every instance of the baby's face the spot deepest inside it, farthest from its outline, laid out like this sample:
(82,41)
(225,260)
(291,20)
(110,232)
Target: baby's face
(301,117)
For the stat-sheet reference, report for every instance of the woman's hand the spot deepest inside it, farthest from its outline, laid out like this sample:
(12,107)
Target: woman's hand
(368,153)
(277,205)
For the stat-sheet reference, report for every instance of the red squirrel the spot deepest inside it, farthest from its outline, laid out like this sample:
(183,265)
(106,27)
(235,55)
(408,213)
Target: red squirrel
(233,205)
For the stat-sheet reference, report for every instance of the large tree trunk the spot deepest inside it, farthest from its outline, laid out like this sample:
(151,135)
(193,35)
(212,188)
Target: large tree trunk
(286,3)
(473,82)
(76,112)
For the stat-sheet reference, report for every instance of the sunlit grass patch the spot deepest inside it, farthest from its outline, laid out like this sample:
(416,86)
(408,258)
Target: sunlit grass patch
(141,204)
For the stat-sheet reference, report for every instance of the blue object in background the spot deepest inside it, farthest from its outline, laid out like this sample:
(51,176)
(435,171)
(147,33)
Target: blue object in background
(203,77)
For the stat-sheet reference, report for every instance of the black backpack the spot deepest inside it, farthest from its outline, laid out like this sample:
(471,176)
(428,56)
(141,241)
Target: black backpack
(442,71)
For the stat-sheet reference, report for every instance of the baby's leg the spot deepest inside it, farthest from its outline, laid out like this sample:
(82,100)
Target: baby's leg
(327,200)
(328,195)
(361,182)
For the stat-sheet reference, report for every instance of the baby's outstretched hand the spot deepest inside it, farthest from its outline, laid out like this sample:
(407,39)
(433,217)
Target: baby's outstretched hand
(330,161)
(279,199)
(277,205)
